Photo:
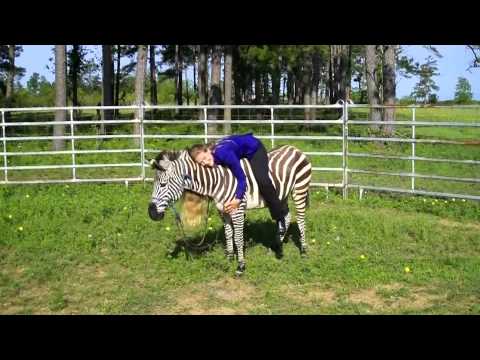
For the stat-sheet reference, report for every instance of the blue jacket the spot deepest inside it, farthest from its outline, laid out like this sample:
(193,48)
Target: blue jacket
(230,150)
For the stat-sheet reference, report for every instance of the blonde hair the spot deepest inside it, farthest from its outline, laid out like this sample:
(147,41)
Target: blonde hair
(194,209)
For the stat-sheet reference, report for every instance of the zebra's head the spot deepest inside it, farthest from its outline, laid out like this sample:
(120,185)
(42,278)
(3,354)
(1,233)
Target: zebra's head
(169,183)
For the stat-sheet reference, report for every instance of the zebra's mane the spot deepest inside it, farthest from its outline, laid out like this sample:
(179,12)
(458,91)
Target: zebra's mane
(170,155)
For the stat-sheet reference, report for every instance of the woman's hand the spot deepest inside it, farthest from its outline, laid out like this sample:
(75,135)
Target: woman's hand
(231,206)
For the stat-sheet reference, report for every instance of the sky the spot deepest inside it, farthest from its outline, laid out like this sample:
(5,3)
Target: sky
(452,65)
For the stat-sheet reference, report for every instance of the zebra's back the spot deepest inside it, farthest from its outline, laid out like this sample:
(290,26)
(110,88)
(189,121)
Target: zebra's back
(289,169)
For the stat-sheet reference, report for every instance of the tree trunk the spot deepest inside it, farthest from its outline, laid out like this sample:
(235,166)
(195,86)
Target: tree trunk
(237,75)
(315,82)
(389,87)
(153,76)
(202,78)
(117,81)
(215,91)
(74,71)
(60,95)
(276,81)
(10,76)
(290,90)
(187,95)
(107,85)
(258,92)
(139,87)
(178,77)
(371,61)
(227,128)
(195,89)
(307,83)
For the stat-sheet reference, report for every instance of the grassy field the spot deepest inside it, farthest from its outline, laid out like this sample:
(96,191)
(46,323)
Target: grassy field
(91,249)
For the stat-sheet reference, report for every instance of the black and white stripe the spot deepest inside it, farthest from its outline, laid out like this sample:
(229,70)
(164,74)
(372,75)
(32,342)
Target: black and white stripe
(290,172)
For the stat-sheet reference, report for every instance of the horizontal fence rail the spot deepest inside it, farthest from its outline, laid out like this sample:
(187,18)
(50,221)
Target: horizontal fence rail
(77,130)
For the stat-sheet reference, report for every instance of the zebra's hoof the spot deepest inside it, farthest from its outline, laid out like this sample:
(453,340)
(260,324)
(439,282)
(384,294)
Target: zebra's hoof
(240,270)
(303,253)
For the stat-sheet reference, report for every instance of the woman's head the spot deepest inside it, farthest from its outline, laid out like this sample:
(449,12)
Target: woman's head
(202,154)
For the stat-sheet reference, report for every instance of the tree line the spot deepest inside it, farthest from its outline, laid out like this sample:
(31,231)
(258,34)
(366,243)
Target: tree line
(226,74)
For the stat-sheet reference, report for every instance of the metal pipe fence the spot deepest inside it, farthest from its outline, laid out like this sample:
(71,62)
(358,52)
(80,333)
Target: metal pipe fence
(343,109)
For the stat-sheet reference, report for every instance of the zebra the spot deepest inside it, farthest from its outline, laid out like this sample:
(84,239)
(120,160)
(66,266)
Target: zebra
(176,172)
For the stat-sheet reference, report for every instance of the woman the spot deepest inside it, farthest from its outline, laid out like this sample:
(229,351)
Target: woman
(228,152)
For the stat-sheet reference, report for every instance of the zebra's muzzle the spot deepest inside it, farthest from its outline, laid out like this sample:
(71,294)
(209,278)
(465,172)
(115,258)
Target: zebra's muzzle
(153,212)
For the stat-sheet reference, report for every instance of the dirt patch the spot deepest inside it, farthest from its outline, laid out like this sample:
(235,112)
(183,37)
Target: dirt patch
(451,223)
(415,299)
(308,294)
(216,298)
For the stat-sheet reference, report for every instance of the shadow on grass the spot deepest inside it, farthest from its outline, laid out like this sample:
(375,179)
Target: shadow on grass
(258,233)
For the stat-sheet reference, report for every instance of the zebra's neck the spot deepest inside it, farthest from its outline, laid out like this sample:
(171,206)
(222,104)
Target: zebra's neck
(206,181)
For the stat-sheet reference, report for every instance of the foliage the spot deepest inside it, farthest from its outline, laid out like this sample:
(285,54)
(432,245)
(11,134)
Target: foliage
(463,91)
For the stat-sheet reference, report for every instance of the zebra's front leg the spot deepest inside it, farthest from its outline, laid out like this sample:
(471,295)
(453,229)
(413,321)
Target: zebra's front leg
(227,225)
(238,220)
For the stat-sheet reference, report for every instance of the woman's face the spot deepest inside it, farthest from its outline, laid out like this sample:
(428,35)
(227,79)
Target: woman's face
(205,158)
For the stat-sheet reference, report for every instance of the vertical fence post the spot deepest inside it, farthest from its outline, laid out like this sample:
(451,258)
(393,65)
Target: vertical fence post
(205,124)
(272,127)
(4,147)
(345,149)
(142,141)
(413,150)
(74,174)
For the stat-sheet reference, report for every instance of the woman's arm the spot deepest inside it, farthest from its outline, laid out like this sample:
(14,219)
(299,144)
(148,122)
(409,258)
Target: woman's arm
(233,162)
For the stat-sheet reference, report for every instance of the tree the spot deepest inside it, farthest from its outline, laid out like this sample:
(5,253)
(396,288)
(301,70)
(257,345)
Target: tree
(107,84)
(60,94)
(9,72)
(202,77)
(475,49)
(389,87)
(426,85)
(140,87)
(373,92)
(463,91)
(178,75)
(153,76)
(215,90)
(228,87)
(33,84)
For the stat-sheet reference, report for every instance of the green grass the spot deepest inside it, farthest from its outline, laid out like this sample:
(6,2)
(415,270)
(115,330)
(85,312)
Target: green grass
(92,249)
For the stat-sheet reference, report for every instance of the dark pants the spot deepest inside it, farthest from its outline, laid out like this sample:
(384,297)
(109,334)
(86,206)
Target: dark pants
(259,163)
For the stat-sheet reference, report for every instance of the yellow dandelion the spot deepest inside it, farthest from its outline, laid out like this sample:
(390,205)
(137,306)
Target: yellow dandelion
(407,269)
(453,199)
(328,242)
(167,228)
(10,216)
(89,236)
(313,241)
(125,208)
(362,257)
(27,196)
(20,228)
(463,200)
(210,228)
(209,219)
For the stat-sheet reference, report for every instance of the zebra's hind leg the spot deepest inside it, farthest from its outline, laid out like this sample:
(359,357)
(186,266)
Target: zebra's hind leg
(227,225)
(300,199)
